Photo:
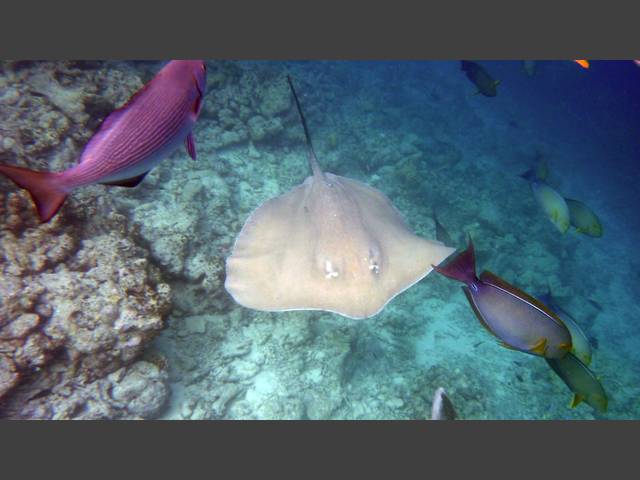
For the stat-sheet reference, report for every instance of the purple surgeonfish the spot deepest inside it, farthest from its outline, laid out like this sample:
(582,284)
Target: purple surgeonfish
(132,140)
(520,321)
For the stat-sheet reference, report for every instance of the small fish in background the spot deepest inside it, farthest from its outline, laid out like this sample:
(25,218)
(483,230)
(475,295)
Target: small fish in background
(552,203)
(529,67)
(441,233)
(441,407)
(583,218)
(580,345)
(581,381)
(583,63)
(131,141)
(480,78)
(520,321)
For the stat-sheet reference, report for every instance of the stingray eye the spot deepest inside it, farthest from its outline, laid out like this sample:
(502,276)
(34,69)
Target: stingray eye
(374,260)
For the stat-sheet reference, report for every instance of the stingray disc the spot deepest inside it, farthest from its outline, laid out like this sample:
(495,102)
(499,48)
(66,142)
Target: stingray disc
(331,244)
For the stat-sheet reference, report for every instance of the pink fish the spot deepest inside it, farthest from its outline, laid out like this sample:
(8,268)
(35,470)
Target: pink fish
(132,140)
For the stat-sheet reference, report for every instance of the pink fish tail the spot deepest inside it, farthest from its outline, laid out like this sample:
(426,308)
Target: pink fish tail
(462,267)
(45,189)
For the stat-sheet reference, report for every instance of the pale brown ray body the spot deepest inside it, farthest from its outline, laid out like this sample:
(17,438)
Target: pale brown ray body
(331,244)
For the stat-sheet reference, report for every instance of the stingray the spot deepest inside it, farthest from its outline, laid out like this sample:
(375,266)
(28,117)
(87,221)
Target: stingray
(332,244)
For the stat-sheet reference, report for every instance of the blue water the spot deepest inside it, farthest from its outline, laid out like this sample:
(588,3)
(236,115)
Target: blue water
(418,132)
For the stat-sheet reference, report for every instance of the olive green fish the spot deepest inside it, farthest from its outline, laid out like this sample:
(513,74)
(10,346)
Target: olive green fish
(480,78)
(582,382)
(553,205)
(551,202)
(583,218)
(580,345)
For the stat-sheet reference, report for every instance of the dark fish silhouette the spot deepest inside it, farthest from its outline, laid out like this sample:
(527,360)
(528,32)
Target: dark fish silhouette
(480,78)
(582,382)
(441,233)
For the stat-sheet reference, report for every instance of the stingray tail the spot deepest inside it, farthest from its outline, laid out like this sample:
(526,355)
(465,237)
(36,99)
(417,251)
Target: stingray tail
(313,160)
(43,187)
(462,267)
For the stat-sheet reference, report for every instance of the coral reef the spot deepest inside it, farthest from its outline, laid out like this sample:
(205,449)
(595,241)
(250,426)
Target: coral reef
(75,306)
(248,104)
(79,300)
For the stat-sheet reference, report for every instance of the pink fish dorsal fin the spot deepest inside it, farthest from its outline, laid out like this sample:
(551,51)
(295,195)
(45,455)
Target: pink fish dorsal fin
(197,104)
(495,281)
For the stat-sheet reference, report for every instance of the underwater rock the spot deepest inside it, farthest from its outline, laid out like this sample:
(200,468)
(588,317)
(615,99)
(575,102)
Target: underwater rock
(261,128)
(134,392)
(142,389)
(76,304)
(249,103)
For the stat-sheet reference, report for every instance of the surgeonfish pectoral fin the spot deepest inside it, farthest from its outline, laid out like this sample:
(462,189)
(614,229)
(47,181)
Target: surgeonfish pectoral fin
(496,82)
(576,400)
(540,347)
(190,143)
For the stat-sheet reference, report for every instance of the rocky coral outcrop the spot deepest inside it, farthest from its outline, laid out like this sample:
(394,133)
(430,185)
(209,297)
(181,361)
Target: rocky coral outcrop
(248,104)
(79,299)
(74,307)
(138,391)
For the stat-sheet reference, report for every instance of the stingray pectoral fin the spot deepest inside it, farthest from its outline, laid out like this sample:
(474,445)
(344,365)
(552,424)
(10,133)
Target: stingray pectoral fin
(190,144)
(575,401)
(540,347)
(127,182)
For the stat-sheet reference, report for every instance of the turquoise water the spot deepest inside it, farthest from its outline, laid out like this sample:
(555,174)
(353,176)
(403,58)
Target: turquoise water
(419,133)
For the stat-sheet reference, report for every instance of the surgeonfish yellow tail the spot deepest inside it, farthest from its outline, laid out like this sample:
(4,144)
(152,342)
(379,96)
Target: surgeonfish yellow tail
(583,63)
